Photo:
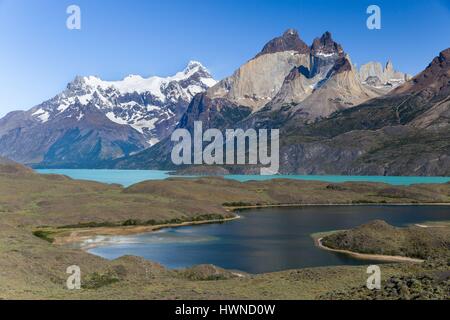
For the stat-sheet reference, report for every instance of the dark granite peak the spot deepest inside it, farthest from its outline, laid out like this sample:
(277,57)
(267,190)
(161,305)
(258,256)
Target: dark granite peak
(289,41)
(325,45)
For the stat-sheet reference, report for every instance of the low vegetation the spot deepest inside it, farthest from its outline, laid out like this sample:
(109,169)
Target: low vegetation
(97,280)
(34,266)
(431,286)
(44,235)
(378,237)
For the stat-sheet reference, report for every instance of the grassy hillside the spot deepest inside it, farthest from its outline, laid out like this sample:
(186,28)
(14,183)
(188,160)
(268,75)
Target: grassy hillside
(33,268)
(378,237)
(430,242)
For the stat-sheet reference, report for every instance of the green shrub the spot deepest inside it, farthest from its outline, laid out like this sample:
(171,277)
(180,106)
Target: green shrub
(237,204)
(89,225)
(131,222)
(44,235)
(96,280)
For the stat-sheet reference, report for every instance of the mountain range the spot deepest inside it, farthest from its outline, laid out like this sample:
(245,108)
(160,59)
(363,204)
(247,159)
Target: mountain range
(334,117)
(94,120)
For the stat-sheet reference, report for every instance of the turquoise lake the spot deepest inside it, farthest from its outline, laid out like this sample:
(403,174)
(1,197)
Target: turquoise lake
(130,177)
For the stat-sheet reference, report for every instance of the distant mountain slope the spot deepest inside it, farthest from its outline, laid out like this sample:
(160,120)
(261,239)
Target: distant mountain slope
(94,120)
(373,74)
(5,161)
(10,167)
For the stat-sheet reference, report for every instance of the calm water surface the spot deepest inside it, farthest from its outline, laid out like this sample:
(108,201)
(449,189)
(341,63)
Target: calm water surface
(264,240)
(129,177)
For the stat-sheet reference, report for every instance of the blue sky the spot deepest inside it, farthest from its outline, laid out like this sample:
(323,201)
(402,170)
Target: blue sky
(39,55)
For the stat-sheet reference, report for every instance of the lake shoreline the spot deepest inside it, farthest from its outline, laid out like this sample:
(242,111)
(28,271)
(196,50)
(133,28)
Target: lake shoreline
(366,256)
(84,235)
(299,205)
(128,178)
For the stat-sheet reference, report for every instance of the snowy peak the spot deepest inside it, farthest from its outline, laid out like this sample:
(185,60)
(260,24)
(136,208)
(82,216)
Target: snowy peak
(193,67)
(151,106)
(95,120)
(138,84)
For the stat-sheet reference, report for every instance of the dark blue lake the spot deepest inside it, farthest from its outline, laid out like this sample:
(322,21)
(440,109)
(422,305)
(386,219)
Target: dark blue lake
(264,240)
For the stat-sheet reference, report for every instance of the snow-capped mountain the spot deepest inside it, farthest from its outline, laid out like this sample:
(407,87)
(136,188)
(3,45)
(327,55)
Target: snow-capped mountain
(151,106)
(106,119)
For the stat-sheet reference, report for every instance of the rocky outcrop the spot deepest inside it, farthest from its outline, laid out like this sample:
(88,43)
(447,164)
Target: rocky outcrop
(249,86)
(316,90)
(289,41)
(375,75)
(340,90)
(326,46)
(324,54)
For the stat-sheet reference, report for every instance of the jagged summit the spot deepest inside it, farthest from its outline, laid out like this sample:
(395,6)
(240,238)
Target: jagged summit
(194,64)
(294,77)
(136,83)
(256,82)
(389,65)
(385,78)
(289,41)
(326,46)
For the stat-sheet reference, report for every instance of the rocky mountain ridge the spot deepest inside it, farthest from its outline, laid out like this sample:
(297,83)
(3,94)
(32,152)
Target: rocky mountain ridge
(306,87)
(343,130)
